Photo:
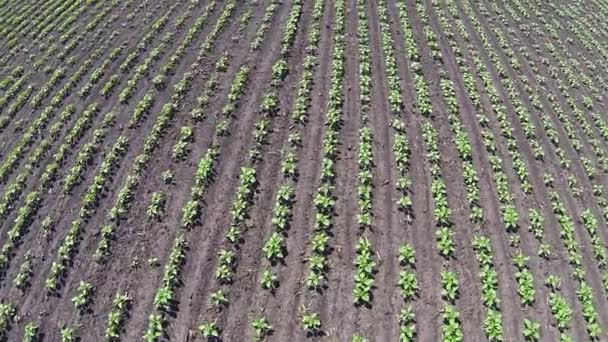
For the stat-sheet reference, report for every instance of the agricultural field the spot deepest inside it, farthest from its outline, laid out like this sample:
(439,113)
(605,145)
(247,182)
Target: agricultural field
(303,170)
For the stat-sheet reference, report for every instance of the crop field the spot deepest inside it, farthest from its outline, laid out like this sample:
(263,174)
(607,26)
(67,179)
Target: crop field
(303,170)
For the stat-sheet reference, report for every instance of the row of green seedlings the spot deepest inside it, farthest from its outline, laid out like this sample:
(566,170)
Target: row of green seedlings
(324,200)
(565,223)
(180,149)
(76,174)
(210,88)
(585,31)
(192,209)
(101,71)
(548,126)
(588,34)
(39,15)
(62,94)
(47,25)
(90,202)
(14,17)
(401,149)
(13,76)
(43,62)
(365,266)
(482,244)
(451,326)
(82,124)
(598,250)
(274,245)
(203,178)
(221,23)
(13,191)
(531,330)
(14,90)
(21,280)
(187,133)
(408,281)
(74,41)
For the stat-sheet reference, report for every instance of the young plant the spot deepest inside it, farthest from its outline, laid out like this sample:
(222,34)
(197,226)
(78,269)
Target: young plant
(209,330)
(311,322)
(269,281)
(218,299)
(261,327)
(31,332)
(531,330)
(83,295)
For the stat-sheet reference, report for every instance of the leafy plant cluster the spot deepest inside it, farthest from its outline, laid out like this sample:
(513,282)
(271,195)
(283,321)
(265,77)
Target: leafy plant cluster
(18,229)
(590,223)
(31,332)
(464,148)
(163,299)
(409,287)
(7,313)
(489,285)
(26,269)
(291,27)
(180,149)
(364,273)
(443,213)
(117,315)
(142,108)
(82,299)
(324,200)
(156,209)
(390,62)
(365,190)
